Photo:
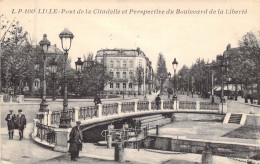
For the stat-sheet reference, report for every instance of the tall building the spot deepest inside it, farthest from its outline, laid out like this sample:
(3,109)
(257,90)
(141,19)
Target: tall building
(131,71)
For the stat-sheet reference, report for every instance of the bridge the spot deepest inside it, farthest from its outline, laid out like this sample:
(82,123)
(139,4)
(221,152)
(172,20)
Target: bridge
(47,132)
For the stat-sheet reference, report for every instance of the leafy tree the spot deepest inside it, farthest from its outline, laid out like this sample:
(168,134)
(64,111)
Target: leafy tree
(16,56)
(161,73)
(250,48)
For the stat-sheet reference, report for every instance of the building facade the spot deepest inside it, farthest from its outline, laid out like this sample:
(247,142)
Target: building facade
(130,69)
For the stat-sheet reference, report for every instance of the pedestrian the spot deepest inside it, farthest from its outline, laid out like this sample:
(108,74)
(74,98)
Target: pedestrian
(158,101)
(75,141)
(21,123)
(97,100)
(10,118)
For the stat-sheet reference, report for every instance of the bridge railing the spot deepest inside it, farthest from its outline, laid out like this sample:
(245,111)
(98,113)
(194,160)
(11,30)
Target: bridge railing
(187,105)
(88,112)
(142,105)
(128,107)
(45,133)
(109,109)
(168,104)
(55,117)
(209,106)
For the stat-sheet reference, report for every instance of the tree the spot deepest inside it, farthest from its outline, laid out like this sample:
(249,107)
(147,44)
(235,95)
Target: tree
(161,73)
(250,48)
(16,56)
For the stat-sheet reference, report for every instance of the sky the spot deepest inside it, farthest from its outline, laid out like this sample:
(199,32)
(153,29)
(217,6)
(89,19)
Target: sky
(185,37)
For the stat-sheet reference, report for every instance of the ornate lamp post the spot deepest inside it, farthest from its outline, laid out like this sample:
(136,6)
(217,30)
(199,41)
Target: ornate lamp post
(220,59)
(161,90)
(53,65)
(66,38)
(79,65)
(174,65)
(44,43)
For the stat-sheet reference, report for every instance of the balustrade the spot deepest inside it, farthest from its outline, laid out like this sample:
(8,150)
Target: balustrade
(45,133)
(209,106)
(71,113)
(55,117)
(168,105)
(154,106)
(143,105)
(88,112)
(109,109)
(128,107)
(187,105)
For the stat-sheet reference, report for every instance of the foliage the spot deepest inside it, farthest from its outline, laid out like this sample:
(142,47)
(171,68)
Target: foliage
(161,73)
(16,56)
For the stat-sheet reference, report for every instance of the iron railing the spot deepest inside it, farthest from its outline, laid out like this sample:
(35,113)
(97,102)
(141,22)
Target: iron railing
(55,117)
(71,113)
(168,104)
(209,106)
(109,109)
(10,98)
(154,106)
(143,105)
(128,107)
(88,112)
(45,133)
(187,105)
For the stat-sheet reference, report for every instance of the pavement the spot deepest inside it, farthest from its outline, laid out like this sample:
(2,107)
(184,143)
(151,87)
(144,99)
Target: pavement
(26,151)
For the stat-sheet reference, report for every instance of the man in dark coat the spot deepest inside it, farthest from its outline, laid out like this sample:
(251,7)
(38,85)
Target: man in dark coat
(10,118)
(158,101)
(21,123)
(75,141)
(97,100)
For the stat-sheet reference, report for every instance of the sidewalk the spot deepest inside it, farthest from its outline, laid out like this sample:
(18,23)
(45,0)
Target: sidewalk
(26,151)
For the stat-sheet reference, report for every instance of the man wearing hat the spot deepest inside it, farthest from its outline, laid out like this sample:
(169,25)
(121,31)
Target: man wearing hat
(10,118)
(21,123)
(157,101)
(75,141)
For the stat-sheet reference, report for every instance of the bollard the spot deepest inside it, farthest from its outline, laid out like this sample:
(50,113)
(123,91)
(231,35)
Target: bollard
(109,141)
(206,157)
(119,152)
(157,130)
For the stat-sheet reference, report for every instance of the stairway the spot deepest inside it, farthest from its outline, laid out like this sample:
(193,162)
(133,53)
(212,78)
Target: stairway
(151,121)
(235,118)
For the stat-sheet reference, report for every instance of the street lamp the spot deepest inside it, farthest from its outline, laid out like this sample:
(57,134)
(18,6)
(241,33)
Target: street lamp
(161,79)
(79,65)
(212,82)
(53,65)
(44,43)
(174,65)
(220,59)
(66,38)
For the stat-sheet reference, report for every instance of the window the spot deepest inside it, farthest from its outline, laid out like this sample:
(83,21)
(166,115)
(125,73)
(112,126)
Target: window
(124,64)
(111,74)
(140,63)
(130,74)
(130,85)
(117,74)
(124,74)
(124,85)
(111,85)
(117,85)
(118,63)
(131,64)
(111,63)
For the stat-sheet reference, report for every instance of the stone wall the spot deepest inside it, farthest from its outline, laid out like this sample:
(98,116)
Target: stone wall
(197,146)
(198,117)
(252,120)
